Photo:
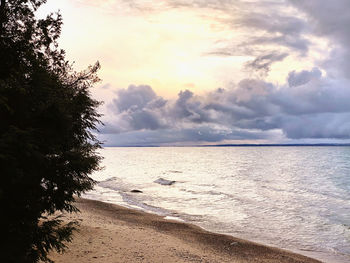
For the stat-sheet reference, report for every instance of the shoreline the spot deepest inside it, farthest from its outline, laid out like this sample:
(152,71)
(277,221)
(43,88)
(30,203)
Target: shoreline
(111,233)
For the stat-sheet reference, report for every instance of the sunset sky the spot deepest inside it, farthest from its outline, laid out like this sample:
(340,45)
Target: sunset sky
(186,72)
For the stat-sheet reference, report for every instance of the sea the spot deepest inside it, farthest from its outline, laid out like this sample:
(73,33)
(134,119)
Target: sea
(295,198)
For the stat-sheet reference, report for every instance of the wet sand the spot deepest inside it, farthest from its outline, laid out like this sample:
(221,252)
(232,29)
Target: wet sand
(110,233)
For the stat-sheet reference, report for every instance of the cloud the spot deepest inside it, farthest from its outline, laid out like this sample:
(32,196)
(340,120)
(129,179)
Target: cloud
(266,27)
(263,63)
(289,27)
(274,29)
(135,108)
(311,106)
(274,23)
(300,78)
(265,22)
(331,20)
(134,98)
(320,125)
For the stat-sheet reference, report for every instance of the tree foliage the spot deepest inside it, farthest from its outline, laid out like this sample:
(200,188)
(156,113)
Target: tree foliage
(47,145)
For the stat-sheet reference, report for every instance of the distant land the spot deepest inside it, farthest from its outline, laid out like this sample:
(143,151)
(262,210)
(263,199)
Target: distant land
(243,145)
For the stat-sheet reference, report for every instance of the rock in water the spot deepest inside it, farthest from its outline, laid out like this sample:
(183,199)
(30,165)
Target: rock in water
(136,191)
(164,181)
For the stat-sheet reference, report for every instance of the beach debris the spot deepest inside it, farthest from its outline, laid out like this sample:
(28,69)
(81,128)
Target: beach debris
(136,191)
(163,181)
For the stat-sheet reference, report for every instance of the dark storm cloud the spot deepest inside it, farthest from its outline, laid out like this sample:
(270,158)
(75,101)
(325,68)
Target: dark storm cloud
(311,106)
(134,97)
(136,108)
(188,108)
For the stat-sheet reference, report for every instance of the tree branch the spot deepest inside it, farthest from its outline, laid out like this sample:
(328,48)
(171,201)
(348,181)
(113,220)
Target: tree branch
(2,15)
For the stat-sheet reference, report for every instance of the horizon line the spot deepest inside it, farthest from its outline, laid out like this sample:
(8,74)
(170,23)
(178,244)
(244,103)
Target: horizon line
(239,145)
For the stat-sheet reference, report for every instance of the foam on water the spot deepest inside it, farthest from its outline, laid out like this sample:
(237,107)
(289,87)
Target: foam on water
(295,198)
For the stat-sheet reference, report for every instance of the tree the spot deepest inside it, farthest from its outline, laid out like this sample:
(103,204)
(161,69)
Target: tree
(47,143)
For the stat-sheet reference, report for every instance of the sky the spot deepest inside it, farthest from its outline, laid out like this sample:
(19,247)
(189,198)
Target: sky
(193,72)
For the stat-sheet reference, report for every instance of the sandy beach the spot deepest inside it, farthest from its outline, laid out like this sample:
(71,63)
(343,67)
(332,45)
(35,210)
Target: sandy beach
(110,233)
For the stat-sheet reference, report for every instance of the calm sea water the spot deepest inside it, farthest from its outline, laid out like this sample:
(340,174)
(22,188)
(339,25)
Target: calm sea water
(296,198)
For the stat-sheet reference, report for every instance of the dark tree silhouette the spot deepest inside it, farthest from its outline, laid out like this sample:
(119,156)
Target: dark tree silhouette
(47,146)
